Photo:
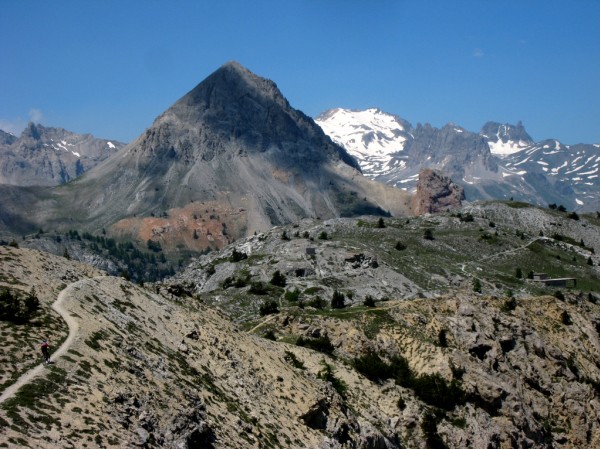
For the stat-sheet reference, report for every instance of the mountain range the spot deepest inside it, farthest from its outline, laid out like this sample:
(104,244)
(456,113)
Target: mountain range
(46,156)
(229,158)
(501,161)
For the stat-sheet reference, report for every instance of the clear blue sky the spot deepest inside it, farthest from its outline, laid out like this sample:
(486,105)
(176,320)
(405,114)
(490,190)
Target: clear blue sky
(110,67)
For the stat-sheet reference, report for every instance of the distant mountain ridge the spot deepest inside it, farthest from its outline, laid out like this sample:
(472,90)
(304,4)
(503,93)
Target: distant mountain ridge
(46,156)
(229,158)
(502,161)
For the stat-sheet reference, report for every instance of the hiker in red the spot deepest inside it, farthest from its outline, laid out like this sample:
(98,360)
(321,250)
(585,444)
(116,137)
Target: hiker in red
(46,351)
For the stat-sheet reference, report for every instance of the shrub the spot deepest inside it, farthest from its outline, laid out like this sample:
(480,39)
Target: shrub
(269,307)
(241,281)
(429,428)
(369,301)
(380,223)
(153,246)
(559,295)
(435,390)
(278,279)
(338,300)
(518,273)
(400,246)
(293,360)
(467,218)
(476,285)
(284,236)
(328,375)
(442,340)
(258,288)
(16,308)
(401,403)
(270,335)
(372,367)
(573,216)
(565,318)
(561,208)
(428,234)
(323,235)
(317,303)
(590,261)
(321,344)
(291,295)
(236,255)
(509,305)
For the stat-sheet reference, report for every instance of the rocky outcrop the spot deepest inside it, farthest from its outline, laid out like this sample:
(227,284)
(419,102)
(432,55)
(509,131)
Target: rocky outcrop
(436,193)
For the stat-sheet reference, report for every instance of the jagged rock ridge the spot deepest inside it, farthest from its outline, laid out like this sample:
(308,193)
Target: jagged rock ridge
(48,156)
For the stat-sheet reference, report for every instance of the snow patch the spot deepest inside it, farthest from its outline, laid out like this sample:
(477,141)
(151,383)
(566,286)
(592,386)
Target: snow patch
(111,145)
(500,148)
(578,201)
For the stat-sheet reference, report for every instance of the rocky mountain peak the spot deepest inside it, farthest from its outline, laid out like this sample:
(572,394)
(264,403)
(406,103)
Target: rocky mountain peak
(504,138)
(235,112)
(505,132)
(32,131)
(230,90)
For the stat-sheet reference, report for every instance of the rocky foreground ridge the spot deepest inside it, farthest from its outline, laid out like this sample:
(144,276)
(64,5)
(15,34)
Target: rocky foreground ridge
(229,354)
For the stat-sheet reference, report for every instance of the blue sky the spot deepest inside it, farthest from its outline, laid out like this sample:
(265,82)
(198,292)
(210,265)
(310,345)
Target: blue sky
(110,67)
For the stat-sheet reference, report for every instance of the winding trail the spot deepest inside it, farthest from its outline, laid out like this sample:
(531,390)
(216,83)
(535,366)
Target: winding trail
(73,330)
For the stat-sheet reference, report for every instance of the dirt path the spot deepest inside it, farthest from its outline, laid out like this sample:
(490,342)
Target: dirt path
(73,329)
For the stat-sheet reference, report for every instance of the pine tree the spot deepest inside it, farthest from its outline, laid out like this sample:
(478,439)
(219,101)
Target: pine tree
(476,285)
(338,300)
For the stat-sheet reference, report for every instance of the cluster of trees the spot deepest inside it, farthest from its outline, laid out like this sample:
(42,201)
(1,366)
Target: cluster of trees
(321,344)
(18,308)
(138,265)
(432,389)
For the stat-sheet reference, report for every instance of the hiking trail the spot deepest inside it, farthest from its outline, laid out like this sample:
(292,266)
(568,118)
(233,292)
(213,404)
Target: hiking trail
(73,330)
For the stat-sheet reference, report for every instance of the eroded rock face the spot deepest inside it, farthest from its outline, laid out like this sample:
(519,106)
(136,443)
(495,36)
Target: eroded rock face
(436,193)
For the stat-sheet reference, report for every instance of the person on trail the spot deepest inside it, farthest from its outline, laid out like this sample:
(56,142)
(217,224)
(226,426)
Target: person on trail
(46,351)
